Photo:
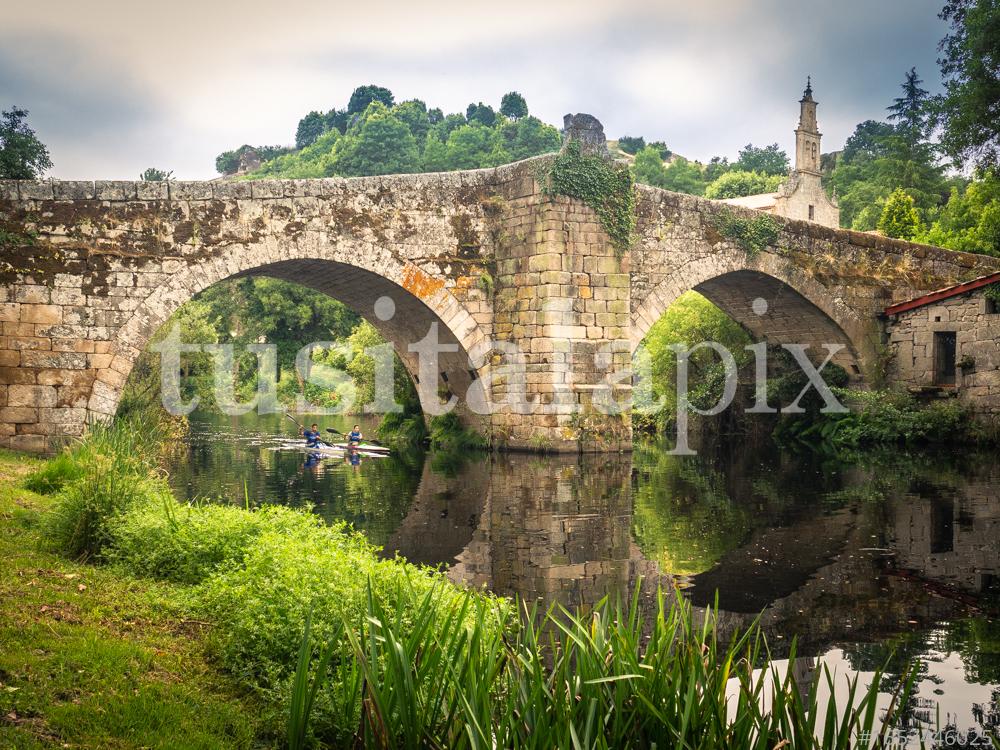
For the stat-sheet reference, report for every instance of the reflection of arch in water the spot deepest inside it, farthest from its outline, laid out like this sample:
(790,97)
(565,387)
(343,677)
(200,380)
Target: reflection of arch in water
(560,530)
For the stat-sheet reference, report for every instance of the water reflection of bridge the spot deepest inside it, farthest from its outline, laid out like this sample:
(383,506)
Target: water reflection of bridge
(831,556)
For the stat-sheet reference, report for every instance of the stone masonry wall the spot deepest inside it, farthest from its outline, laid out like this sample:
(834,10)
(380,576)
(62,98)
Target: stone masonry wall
(911,344)
(562,299)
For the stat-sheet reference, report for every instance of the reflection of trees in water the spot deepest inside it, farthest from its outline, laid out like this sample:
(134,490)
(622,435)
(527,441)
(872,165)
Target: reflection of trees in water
(977,642)
(683,517)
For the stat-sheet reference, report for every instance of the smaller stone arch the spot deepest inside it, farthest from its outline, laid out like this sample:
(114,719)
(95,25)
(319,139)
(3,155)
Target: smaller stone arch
(799,309)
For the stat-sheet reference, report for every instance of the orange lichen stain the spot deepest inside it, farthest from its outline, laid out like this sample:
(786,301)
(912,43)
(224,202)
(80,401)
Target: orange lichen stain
(419,283)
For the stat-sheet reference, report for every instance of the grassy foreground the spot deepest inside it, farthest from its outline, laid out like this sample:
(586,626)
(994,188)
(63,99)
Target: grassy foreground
(92,658)
(224,626)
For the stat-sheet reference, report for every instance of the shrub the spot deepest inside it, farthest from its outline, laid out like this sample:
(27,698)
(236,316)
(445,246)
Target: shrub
(164,539)
(85,510)
(103,475)
(448,434)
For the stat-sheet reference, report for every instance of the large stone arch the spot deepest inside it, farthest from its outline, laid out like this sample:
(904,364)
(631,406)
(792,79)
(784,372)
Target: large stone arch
(800,310)
(338,270)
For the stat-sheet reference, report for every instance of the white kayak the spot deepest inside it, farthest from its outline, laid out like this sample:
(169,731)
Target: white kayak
(335,449)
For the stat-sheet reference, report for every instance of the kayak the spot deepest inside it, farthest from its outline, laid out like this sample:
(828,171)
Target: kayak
(336,449)
(364,447)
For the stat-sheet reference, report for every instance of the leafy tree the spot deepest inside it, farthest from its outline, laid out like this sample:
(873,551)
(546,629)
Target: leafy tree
(769,160)
(414,113)
(365,95)
(481,113)
(533,137)
(867,142)
(738,183)
(470,146)
(316,160)
(435,153)
(228,162)
(662,149)
(287,314)
(152,174)
(683,176)
(631,145)
(311,127)
(337,119)
(881,157)
(899,217)
(435,115)
(513,106)
(970,58)
(379,143)
(449,123)
(648,167)
(970,220)
(716,167)
(22,155)
(691,320)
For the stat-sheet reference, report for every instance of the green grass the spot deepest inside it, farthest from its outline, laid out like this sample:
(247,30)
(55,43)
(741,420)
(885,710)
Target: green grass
(92,658)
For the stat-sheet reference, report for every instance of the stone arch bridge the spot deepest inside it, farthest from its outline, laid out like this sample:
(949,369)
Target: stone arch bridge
(90,270)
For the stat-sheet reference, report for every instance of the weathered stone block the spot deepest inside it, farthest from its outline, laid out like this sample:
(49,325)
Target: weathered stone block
(152,190)
(32,294)
(64,377)
(17,376)
(74,189)
(28,443)
(45,314)
(26,343)
(31,395)
(18,414)
(232,190)
(47,359)
(115,190)
(36,190)
(190,191)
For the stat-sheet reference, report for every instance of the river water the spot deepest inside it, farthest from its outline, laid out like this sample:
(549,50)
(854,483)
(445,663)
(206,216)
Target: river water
(878,560)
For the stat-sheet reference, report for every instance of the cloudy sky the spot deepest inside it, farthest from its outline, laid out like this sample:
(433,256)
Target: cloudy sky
(114,86)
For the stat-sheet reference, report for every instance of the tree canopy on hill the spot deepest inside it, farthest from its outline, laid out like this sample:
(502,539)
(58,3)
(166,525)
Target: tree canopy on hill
(374,135)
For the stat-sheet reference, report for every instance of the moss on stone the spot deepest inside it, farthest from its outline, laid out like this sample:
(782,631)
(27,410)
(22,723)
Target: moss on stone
(605,186)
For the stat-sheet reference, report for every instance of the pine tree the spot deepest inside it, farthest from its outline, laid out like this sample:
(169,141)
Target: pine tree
(911,111)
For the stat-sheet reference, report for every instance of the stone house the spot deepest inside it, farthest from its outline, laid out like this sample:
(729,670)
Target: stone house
(801,196)
(948,343)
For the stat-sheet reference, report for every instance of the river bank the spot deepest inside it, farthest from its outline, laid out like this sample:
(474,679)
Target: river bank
(249,578)
(90,657)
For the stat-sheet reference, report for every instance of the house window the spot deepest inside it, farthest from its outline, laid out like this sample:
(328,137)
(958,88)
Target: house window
(992,306)
(812,213)
(945,345)
(942,525)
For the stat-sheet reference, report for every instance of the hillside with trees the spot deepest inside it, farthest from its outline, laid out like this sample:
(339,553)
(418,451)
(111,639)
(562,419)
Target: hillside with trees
(375,135)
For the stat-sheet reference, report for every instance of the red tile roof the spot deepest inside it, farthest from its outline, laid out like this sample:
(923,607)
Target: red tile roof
(950,291)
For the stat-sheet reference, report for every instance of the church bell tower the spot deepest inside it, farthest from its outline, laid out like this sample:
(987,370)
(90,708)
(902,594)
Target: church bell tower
(807,134)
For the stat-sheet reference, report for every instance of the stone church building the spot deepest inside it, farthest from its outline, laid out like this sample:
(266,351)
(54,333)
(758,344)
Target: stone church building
(801,196)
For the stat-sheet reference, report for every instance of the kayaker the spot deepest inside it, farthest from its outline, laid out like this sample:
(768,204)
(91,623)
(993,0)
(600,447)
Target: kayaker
(354,437)
(312,436)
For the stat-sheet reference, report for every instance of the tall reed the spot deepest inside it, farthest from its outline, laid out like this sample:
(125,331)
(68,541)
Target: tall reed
(610,678)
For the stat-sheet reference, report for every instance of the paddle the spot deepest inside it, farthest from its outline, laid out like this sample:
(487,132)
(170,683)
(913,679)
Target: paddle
(301,427)
(338,432)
